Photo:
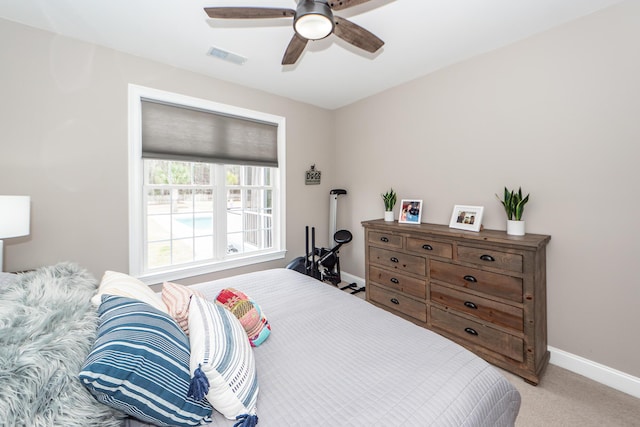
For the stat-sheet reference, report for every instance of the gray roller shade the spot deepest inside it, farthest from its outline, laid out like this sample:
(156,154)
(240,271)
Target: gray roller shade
(183,133)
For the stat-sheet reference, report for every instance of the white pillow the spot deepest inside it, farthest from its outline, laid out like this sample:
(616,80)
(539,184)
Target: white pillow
(221,351)
(123,285)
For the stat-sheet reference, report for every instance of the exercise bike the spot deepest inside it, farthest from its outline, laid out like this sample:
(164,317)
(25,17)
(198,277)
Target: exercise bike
(321,263)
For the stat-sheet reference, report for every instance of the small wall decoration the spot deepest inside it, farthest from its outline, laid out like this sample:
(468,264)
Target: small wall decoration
(313,176)
(466,217)
(410,211)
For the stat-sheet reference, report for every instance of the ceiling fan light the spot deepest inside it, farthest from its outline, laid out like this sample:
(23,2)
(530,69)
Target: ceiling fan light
(313,20)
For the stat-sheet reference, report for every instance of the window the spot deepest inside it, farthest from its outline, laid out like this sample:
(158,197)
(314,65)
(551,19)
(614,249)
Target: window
(194,209)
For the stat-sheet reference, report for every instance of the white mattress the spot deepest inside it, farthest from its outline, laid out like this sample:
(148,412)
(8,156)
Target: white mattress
(335,360)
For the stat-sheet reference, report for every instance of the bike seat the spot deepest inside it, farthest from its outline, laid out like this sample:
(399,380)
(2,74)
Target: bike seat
(342,236)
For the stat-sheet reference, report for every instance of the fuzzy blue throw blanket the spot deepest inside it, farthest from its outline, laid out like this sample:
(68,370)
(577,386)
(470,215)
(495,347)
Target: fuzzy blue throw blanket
(47,326)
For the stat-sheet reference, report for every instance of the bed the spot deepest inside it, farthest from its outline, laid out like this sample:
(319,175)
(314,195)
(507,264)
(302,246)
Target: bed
(332,359)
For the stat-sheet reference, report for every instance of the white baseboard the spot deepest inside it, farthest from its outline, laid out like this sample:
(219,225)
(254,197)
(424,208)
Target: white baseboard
(350,278)
(595,371)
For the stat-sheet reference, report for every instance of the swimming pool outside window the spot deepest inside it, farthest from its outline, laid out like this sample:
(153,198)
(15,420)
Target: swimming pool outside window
(181,222)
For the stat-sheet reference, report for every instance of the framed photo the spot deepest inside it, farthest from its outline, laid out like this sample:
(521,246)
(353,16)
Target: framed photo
(410,211)
(466,217)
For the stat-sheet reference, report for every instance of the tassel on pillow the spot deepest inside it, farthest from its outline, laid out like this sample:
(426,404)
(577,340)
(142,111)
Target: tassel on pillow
(246,420)
(199,385)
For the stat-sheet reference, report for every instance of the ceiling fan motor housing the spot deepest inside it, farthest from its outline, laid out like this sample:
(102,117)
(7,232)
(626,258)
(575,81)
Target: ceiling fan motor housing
(313,19)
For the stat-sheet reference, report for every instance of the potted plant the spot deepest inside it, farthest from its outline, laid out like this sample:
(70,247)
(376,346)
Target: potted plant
(390,199)
(513,203)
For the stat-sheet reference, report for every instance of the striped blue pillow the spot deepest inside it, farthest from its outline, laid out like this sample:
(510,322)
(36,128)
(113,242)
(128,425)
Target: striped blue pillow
(139,364)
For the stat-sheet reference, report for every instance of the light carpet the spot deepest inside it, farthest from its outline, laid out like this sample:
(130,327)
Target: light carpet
(564,398)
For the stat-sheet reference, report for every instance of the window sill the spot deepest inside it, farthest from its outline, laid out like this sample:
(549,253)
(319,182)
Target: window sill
(190,271)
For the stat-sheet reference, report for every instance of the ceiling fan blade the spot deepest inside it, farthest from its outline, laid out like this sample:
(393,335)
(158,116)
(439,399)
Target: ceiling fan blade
(343,4)
(356,35)
(248,12)
(294,50)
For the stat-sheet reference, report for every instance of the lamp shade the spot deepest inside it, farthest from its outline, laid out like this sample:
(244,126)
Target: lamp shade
(14,216)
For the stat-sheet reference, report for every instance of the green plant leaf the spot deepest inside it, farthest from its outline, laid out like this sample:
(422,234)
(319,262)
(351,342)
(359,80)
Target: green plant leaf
(389,199)
(513,203)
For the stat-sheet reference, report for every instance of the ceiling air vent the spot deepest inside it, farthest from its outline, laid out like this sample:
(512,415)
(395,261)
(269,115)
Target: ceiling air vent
(216,52)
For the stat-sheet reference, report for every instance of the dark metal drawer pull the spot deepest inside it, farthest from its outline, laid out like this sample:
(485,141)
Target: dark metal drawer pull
(395,301)
(487,258)
(471,331)
(427,247)
(384,239)
(470,279)
(394,280)
(394,259)
(470,305)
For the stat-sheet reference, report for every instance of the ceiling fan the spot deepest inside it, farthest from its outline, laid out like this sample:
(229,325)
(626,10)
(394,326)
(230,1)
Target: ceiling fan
(312,20)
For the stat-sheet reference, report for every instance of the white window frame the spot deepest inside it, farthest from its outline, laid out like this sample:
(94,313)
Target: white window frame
(137,226)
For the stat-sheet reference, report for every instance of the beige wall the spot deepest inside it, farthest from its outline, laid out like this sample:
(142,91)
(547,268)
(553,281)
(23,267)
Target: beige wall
(63,122)
(558,114)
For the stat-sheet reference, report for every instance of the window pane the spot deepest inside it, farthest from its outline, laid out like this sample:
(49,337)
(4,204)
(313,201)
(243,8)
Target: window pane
(234,243)
(252,199)
(203,225)
(203,200)
(268,200)
(252,176)
(251,241)
(234,220)
(204,248)
(158,201)
(157,172)
(159,254)
(202,174)
(182,226)
(182,201)
(232,173)
(158,227)
(180,173)
(182,251)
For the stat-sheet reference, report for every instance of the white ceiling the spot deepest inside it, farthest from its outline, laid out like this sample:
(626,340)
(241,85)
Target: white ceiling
(420,36)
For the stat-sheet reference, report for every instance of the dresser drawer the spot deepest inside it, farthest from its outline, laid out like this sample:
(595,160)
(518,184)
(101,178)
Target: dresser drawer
(479,334)
(399,303)
(490,258)
(398,261)
(385,239)
(429,247)
(490,311)
(393,280)
(499,285)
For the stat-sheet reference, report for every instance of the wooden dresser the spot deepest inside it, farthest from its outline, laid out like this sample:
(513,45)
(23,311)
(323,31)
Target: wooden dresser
(485,291)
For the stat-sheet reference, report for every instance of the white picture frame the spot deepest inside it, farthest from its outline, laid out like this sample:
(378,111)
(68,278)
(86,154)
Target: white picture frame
(465,217)
(410,211)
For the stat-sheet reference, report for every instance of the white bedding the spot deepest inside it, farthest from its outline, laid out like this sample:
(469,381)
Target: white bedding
(335,360)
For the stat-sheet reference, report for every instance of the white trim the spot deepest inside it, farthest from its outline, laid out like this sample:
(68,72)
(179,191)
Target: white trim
(182,272)
(600,373)
(135,179)
(350,278)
